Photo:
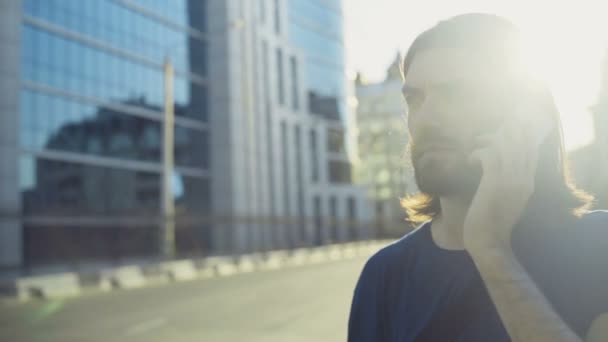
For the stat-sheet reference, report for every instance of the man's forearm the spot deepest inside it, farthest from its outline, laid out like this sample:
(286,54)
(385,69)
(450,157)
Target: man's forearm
(525,312)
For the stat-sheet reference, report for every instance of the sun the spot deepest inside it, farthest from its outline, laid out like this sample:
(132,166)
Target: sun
(572,76)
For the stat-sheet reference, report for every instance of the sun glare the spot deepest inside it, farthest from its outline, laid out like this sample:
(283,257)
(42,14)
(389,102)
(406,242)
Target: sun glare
(567,41)
(574,88)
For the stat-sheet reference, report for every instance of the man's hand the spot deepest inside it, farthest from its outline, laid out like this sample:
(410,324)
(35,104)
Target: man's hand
(508,161)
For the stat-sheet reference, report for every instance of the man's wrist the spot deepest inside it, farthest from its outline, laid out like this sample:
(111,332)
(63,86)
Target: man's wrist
(490,250)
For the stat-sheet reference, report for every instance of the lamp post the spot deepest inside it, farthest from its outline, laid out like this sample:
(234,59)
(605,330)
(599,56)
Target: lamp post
(167,200)
(167,225)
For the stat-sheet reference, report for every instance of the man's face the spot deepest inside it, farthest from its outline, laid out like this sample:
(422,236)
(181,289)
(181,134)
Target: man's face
(453,97)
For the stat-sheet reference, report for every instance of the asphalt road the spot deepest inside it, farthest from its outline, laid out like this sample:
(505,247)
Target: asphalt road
(307,303)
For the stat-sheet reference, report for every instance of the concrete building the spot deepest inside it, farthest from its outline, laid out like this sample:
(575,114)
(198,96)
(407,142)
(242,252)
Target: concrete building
(81,130)
(383,165)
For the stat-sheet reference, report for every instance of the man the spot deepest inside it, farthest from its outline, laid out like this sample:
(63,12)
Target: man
(507,250)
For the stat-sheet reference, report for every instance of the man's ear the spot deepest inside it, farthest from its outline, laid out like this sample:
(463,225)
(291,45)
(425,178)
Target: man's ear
(598,332)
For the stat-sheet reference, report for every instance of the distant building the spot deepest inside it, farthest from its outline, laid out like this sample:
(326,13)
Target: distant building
(590,163)
(258,139)
(383,164)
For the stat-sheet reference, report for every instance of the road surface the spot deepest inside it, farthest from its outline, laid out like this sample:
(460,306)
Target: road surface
(306,303)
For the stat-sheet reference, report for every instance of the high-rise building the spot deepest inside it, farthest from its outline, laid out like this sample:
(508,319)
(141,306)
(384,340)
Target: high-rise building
(81,130)
(383,164)
(316,28)
(286,158)
(82,113)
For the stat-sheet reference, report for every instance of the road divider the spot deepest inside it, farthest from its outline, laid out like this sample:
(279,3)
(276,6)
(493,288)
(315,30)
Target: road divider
(135,276)
(181,270)
(48,286)
(126,277)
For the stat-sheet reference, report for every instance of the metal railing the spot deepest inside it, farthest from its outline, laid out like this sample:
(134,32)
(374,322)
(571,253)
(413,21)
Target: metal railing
(76,240)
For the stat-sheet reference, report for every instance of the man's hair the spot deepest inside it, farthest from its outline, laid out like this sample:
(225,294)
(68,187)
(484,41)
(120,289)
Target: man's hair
(494,37)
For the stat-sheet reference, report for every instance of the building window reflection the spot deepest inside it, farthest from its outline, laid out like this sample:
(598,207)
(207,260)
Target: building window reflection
(58,188)
(55,123)
(316,27)
(91,106)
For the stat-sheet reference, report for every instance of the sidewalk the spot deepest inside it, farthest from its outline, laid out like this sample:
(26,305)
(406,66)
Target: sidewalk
(60,282)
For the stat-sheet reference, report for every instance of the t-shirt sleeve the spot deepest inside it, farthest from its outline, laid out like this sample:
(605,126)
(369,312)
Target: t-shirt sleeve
(592,268)
(364,321)
(569,263)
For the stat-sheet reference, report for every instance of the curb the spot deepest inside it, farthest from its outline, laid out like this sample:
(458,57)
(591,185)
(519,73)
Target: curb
(71,284)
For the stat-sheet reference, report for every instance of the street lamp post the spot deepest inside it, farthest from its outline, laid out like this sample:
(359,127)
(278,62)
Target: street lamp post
(167,224)
(168,205)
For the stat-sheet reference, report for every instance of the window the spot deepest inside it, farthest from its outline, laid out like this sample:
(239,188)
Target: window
(318,238)
(198,21)
(314,155)
(335,140)
(351,205)
(277,16)
(192,195)
(191,148)
(271,161)
(265,75)
(286,181)
(333,216)
(339,172)
(300,183)
(262,10)
(61,188)
(55,123)
(295,105)
(198,56)
(280,80)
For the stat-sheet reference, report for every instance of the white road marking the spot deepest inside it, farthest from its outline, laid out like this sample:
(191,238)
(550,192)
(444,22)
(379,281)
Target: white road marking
(146,326)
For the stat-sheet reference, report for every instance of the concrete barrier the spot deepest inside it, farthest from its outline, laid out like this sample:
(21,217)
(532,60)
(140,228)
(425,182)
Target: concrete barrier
(298,257)
(206,272)
(222,266)
(349,252)
(273,261)
(127,277)
(248,263)
(318,255)
(278,255)
(334,252)
(181,270)
(50,286)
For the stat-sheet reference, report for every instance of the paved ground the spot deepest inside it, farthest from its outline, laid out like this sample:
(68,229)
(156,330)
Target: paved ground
(308,303)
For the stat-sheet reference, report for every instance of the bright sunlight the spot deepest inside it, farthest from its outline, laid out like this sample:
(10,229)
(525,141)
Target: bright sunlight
(566,41)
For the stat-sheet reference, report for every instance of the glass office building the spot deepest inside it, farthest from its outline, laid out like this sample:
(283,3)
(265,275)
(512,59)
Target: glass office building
(90,124)
(316,27)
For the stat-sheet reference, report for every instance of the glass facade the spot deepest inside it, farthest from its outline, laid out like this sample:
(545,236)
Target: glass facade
(317,27)
(280,77)
(92,107)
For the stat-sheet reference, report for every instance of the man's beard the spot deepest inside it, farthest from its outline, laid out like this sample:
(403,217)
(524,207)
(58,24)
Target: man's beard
(445,170)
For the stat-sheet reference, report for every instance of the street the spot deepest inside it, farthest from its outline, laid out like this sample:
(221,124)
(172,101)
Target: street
(306,303)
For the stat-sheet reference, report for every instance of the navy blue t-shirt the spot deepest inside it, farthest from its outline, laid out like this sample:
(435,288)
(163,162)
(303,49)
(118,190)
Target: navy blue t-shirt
(413,290)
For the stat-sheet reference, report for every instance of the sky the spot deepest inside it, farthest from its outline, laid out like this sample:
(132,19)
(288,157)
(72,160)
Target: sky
(569,38)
